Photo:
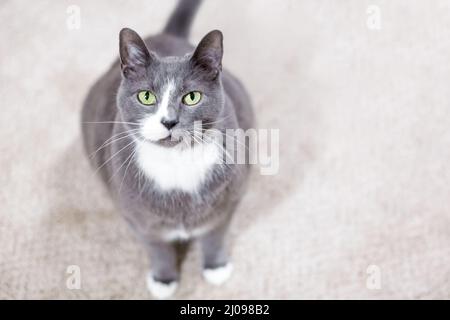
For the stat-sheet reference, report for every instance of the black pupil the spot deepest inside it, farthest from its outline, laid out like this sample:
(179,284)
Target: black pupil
(147,95)
(192,96)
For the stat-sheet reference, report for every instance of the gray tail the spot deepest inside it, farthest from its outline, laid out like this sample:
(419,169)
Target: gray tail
(180,20)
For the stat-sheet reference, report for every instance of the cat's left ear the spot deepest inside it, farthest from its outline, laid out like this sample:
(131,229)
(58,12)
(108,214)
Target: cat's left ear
(208,54)
(134,54)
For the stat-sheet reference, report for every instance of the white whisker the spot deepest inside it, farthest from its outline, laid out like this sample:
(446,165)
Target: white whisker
(123,163)
(126,169)
(110,122)
(104,163)
(113,139)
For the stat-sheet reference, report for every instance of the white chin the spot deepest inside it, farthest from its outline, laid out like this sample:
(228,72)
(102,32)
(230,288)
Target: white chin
(155,132)
(156,137)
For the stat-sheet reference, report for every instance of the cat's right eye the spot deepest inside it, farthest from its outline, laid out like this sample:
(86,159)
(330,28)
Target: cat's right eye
(146,98)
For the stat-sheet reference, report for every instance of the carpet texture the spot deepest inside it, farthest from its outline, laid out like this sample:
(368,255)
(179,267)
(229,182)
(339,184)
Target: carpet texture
(359,208)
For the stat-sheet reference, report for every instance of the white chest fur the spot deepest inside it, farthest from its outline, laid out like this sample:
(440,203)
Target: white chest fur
(176,168)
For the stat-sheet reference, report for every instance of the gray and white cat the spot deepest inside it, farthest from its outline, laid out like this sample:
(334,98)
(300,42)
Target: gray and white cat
(168,190)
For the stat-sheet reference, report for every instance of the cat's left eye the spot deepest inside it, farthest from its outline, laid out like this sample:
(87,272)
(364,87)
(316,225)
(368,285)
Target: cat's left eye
(146,97)
(192,98)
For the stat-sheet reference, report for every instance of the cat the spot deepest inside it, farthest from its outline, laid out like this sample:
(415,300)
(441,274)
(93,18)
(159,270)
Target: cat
(169,191)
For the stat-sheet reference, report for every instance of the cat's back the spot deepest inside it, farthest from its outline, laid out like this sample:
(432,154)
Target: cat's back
(168,45)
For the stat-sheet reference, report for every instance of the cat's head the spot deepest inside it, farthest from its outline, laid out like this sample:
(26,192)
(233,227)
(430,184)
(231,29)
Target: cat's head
(162,96)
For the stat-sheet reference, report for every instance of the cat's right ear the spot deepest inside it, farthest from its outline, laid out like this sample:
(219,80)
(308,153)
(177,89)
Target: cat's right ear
(208,54)
(134,55)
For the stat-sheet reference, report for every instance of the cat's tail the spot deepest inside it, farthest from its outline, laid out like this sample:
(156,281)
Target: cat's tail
(180,21)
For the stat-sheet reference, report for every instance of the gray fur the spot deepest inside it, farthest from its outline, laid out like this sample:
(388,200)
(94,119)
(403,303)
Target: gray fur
(150,211)
(180,20)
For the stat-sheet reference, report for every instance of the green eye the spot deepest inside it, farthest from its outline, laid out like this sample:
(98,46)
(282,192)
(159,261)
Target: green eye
(146,97)
(192,98)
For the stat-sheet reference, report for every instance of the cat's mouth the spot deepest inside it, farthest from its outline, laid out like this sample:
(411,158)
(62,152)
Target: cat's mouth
(178,137)
(169,141)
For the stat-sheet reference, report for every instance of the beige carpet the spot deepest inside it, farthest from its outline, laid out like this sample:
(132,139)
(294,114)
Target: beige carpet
(364,119)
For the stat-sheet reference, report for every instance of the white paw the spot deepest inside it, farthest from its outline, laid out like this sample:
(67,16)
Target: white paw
(218,275)
(161,290)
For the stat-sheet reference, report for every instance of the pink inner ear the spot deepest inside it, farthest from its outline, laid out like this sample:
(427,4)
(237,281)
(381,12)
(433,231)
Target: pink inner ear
(209,51)
(208,64)
(136,56)
(133,51)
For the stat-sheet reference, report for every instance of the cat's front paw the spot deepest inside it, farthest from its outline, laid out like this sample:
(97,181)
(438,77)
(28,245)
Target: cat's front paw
(219,275)
(161,290)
